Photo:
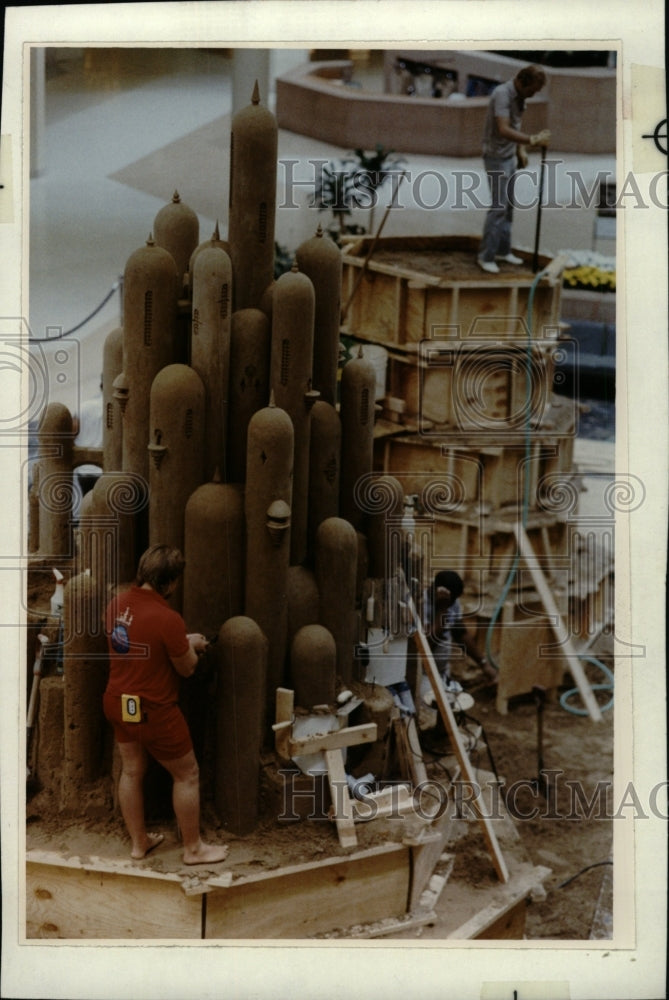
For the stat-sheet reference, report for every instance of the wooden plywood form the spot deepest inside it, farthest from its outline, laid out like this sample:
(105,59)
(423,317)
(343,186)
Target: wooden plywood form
(483,914)
(374,892)
(310,899)
(74,900)
(416,288)
(473,385)
(71,898)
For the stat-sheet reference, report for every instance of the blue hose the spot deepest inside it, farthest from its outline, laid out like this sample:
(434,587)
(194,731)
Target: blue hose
(524,519)
(564,699)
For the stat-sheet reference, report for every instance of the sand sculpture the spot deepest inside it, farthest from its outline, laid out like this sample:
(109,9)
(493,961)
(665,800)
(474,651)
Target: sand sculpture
(221,437)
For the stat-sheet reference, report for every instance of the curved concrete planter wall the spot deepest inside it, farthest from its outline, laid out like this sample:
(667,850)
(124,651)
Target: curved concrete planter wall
(316,100)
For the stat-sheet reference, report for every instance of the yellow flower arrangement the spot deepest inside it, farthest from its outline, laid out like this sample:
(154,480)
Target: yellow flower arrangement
(589,278)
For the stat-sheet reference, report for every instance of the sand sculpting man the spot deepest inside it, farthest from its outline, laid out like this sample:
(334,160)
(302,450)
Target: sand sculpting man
(503,153)
(149,650)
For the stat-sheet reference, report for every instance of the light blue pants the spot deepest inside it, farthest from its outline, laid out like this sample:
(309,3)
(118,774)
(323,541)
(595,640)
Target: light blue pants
(496,239)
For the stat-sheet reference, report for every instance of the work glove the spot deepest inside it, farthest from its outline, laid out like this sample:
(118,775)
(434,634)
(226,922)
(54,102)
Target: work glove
(541,138)
(521,157)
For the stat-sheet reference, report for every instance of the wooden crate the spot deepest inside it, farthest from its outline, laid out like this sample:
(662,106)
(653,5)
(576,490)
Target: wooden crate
(418,288)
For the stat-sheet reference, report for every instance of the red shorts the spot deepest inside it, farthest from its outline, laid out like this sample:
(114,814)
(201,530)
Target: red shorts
(163,731)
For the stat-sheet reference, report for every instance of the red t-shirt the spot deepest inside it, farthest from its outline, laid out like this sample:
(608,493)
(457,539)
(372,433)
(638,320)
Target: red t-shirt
(144,633)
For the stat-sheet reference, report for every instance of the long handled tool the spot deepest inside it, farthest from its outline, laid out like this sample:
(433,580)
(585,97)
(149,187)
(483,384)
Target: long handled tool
(32,703)
(542,170)
(372,247)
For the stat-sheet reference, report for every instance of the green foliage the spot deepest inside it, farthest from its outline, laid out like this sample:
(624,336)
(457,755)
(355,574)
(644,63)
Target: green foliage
(283,260)
(353,182)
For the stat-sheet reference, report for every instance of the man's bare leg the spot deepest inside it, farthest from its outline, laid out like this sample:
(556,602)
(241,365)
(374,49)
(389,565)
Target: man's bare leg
(134,762)
(186,800)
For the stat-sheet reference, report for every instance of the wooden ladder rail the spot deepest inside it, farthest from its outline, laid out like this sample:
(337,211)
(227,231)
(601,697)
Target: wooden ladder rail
(557,623)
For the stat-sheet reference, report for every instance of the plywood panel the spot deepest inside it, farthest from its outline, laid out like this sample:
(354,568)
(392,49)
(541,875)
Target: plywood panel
(510,926)
(312,900)
(63,902)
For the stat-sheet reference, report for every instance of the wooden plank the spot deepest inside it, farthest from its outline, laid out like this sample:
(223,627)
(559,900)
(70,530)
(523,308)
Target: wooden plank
(111,866)
(402,749)
(285,699)
(285,703)
(348,737)
(389,926)
(64,902)
(424,856)
(314,900)
(525,879)
(448,718)
(341,800)
(414,750)
(558,625)
(509,927)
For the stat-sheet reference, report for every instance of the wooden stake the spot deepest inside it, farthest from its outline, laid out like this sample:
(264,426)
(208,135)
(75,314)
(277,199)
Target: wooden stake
(341,800)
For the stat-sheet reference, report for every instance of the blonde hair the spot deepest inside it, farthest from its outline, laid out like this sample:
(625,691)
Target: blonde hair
(159,566)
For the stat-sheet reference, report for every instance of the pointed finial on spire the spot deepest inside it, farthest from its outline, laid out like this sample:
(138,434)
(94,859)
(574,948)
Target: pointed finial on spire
(255,98)
(217,235)
(216,478)
(360,351)
(175,198)
(150,241)
(319,231)
(294,268)
(271,398)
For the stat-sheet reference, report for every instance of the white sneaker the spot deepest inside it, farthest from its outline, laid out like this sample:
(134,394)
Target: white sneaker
(510,258)
(487,265)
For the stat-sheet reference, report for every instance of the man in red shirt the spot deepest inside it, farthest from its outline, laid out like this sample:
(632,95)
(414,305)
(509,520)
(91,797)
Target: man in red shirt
(149,649)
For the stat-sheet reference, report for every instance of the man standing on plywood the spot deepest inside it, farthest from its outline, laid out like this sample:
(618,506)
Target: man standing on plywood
(503,153)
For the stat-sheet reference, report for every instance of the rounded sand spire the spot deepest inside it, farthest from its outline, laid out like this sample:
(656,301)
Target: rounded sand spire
(319,258)
(177,230)
(150,297)
(253,175)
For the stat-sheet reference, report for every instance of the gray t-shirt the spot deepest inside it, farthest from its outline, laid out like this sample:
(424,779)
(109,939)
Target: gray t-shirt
(505,102)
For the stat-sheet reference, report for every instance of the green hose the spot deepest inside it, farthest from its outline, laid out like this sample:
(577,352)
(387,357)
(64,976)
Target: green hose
(525,517)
